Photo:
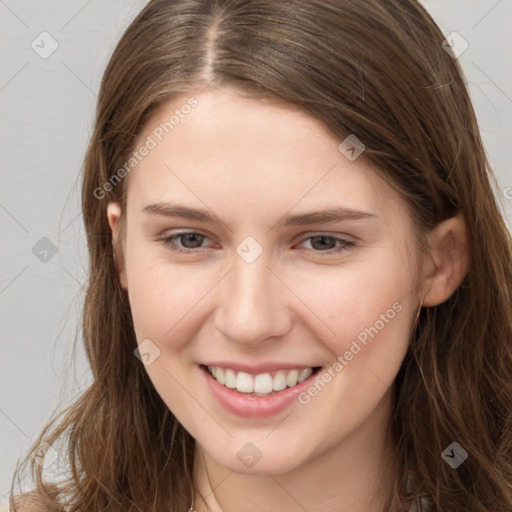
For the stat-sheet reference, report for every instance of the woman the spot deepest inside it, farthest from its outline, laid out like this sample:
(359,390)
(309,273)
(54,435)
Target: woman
(300,285)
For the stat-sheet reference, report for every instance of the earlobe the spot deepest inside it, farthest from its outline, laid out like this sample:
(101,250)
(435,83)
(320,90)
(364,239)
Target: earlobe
(450,260)
(114,221)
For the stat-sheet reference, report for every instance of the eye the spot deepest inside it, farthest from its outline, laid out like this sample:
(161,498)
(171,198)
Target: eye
(189,241)
(328,244)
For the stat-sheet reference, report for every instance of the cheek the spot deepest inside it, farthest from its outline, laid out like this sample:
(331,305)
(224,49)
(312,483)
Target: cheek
(169,300)
(164,296)
(367,309)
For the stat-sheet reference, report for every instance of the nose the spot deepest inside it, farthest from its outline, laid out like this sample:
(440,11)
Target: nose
(253,303)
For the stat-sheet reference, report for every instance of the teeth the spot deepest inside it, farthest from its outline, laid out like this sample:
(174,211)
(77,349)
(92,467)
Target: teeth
(262,384)
(245,383)
(229,378)
(291,378)
(219,375)
(304,374)
(279,380)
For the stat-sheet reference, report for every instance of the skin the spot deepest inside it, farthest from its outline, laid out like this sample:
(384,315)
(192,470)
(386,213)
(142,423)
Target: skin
(251,162)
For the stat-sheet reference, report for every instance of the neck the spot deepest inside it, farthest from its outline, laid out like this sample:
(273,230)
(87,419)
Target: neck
(354,475)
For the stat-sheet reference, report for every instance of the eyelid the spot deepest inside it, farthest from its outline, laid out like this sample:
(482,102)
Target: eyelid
(168,240)
(184,231)
(345,243)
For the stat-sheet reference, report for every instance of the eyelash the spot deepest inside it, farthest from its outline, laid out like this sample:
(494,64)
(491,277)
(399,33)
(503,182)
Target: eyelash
(169,243)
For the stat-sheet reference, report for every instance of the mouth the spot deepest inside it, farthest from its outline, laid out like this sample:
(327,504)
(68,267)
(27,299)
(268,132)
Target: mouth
(262,384)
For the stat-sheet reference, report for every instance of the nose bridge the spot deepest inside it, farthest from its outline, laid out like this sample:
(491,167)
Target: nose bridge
(252,304)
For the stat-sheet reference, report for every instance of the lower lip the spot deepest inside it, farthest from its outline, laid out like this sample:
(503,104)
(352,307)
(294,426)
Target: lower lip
(251,406)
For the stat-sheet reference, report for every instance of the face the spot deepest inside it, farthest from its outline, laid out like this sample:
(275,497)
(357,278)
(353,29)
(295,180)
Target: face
(265,285)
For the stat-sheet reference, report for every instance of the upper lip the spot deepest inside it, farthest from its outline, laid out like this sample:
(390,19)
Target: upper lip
(256,369)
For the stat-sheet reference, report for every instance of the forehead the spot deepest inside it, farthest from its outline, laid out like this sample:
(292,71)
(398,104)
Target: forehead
(230,149)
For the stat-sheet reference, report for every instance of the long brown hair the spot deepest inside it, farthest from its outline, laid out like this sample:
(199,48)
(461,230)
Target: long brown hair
(367,67)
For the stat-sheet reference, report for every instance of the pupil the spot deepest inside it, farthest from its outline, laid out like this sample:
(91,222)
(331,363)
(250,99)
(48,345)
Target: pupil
(190,237)
(321,238)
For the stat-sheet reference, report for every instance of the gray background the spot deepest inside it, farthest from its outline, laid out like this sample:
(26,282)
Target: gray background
(47,108)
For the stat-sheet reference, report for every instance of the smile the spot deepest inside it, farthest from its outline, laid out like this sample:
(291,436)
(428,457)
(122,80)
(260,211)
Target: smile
(263,384)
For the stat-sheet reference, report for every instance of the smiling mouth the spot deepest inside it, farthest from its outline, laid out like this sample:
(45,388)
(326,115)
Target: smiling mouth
(263,384)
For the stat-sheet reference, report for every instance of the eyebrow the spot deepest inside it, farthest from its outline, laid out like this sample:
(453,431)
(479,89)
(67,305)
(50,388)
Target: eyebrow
(337,214)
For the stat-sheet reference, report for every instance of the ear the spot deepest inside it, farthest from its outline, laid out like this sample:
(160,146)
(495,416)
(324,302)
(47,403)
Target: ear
(114,216)
(450,260)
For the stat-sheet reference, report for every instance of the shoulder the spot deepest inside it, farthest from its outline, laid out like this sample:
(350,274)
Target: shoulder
(33,501)
(29,502)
